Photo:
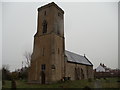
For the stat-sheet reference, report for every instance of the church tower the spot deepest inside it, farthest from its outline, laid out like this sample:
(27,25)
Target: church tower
(47,63)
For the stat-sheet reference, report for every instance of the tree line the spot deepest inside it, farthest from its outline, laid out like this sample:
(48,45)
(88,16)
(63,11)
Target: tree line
(19,74)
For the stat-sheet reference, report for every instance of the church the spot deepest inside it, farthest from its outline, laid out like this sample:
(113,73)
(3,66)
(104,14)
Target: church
(50,62)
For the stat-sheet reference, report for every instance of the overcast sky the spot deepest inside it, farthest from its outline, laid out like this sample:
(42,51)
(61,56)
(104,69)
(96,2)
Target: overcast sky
(90,28)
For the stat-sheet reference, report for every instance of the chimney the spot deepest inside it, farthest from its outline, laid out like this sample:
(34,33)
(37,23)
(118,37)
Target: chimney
(84,55)
(103,65)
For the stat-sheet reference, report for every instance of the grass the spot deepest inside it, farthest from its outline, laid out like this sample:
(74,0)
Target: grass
(98,83)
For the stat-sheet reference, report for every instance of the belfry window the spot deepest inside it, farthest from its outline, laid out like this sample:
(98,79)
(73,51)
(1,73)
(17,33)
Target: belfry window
(43,51)
(45,13)
(44,26)
(58,32)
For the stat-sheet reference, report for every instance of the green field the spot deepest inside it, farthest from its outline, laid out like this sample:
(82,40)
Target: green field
(98,83)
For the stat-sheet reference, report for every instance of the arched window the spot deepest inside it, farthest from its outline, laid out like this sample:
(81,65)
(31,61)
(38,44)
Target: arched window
(44,26)
(82,74)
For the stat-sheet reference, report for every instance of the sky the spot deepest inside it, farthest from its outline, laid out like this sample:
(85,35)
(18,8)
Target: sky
(90,28)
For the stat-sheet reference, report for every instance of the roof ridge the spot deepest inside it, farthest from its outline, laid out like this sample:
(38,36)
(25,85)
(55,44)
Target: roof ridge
(74,53)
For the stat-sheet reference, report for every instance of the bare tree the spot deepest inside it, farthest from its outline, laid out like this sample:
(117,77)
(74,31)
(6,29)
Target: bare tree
(27,55)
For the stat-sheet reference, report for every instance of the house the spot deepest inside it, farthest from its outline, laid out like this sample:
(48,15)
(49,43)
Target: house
(102,71)
(102,68)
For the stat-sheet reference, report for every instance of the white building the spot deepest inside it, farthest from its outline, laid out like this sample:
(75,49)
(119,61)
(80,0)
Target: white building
(102,68)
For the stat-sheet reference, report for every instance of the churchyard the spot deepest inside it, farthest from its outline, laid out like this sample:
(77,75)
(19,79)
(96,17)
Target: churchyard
(96,83)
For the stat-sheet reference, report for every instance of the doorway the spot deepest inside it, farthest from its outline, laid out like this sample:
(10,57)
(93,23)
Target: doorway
(42,77)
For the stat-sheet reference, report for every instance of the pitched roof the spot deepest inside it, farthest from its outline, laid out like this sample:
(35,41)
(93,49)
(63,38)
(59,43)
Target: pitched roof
(75,58)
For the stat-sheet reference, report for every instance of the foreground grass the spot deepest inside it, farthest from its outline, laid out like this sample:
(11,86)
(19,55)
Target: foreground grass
(98,83)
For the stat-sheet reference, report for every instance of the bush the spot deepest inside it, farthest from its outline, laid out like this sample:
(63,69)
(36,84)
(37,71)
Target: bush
(90,80)
(3,82)
(6,75)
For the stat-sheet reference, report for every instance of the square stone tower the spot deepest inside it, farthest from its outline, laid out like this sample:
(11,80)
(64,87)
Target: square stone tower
(47,64)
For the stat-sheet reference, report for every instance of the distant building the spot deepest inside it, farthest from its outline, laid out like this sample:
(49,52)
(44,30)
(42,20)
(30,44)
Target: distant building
(102,68)
(50,61)
(103,71)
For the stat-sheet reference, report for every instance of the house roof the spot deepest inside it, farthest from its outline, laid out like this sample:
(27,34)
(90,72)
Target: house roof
(75,58)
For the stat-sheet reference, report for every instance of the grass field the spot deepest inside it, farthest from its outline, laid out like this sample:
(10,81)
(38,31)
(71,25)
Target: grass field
(98,83)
